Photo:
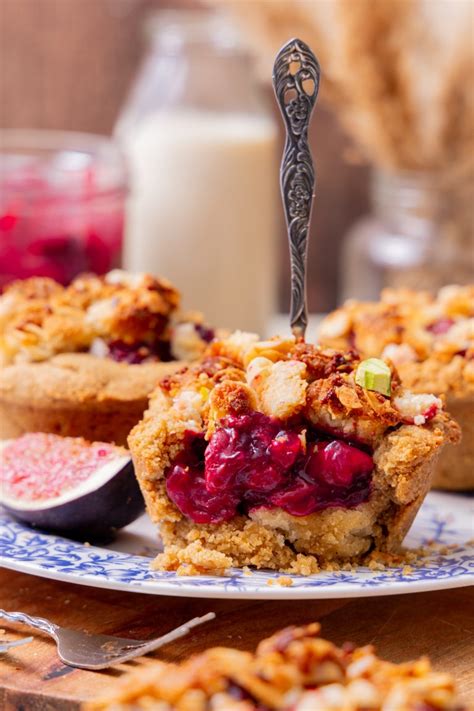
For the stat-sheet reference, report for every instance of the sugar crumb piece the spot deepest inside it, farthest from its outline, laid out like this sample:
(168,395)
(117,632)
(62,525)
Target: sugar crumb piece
(193,559)
(303,565)
(285,582)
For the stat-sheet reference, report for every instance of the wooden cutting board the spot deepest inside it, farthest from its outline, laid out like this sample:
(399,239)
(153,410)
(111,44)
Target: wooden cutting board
(440,624)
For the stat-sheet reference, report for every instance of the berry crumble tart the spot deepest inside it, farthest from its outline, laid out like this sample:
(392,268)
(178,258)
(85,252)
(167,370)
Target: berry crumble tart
(81,360)
(294,670)
(430,339)
(278,454)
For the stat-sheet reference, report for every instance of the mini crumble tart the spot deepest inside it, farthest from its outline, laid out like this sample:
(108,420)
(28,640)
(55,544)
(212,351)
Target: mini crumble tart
(430,339)
(81,360)
(295,670)
(272,454)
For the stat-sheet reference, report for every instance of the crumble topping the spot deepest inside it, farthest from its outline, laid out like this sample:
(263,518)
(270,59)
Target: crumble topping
(421,333)
(294,670)
(417,408)
(128,317)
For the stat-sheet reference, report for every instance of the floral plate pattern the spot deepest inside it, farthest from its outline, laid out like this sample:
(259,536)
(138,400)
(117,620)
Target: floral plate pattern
(444,519)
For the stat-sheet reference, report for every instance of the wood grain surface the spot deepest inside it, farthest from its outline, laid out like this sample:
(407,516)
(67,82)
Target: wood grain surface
(440,624)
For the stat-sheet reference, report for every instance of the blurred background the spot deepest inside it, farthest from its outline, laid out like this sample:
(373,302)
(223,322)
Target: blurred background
(189,101)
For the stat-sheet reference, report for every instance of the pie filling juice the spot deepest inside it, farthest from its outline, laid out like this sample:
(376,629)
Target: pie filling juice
(253,461)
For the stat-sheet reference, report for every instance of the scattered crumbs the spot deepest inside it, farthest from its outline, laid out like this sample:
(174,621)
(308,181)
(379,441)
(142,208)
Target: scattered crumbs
(407,558)
(375,565)
(247,571)
(87,544)
(284,581)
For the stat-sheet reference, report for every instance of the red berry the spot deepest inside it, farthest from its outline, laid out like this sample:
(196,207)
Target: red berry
(337,463)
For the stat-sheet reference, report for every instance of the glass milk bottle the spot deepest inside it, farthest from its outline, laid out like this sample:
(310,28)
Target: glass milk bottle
(201,146)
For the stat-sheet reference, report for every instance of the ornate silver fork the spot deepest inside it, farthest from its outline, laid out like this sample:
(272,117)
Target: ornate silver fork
(99,651)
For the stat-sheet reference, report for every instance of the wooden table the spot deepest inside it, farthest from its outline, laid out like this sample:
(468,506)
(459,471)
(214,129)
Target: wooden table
(440,624)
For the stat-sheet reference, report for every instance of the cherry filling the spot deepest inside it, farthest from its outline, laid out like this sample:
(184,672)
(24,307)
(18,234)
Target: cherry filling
(186,486)
(136,353)
(253,462)
(250,453)
(441,326)
(207,334)
(158,350)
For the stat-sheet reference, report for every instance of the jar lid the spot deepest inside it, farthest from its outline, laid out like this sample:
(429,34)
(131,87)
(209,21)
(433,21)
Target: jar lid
(35,163)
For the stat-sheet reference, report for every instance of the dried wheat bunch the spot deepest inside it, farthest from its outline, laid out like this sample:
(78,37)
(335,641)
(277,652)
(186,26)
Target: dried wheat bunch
(398,72)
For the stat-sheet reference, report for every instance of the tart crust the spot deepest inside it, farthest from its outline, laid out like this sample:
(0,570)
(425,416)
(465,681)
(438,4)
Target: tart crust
(77,395)
(199,397)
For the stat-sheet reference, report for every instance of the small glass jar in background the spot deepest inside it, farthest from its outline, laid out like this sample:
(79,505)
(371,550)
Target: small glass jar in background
(201,145)
(419,236)
(62,200)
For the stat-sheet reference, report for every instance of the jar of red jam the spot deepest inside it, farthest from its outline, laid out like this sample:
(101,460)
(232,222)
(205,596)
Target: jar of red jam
(62,200)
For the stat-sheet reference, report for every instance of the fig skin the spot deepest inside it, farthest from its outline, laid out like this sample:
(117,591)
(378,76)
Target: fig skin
(91,517)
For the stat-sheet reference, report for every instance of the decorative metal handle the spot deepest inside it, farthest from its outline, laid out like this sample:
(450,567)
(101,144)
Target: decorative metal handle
(36,622)
(296,75)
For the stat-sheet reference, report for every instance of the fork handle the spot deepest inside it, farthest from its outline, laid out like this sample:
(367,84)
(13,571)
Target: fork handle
(296,76)
(38,623)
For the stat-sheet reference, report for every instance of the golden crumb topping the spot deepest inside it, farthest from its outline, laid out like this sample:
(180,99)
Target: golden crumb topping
(295,669)
(127,316)
(421,333)
(286,379)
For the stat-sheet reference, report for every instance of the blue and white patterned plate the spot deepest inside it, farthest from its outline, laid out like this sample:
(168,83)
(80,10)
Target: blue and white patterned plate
(125,565)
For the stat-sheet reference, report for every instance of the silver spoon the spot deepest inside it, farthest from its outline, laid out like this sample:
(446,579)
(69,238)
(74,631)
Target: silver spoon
(296,75)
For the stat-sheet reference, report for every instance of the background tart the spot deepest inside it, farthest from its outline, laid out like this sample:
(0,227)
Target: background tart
(269,454)
(430,339)
(81,360)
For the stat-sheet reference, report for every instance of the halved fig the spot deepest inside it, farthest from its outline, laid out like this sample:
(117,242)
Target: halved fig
(84,490)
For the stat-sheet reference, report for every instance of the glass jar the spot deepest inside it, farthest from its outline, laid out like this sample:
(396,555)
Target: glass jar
(419,236)
(201,146)
(61,204)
